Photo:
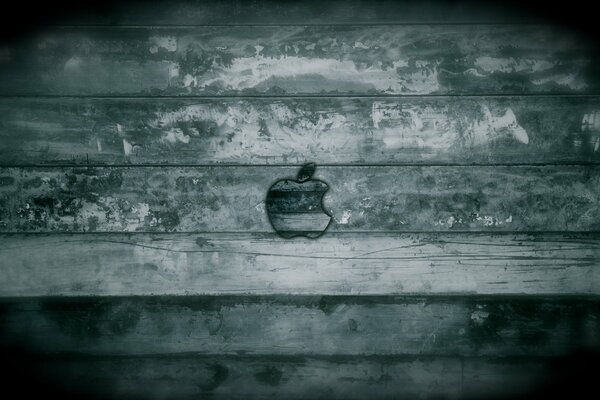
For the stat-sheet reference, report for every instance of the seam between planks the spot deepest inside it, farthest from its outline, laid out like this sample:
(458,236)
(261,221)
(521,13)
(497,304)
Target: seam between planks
(549,95)
(279,165)
(108,26)
(64,355)
(316,299)
(336,233)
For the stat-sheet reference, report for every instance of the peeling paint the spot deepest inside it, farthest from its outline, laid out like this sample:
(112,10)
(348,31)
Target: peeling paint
(261,207)
(168,43)
(492,126)
(571,80)
(485,220)
(127,147)
(479,317)
(590,124)
(507,65)
(175,135)
(257,71)
(173,71)
(360,45)
(346,215)
(408,126)
(189,81)
(248,124)
(591,121)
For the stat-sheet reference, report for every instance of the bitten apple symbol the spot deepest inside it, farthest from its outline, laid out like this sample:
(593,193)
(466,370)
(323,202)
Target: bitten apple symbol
(295,207)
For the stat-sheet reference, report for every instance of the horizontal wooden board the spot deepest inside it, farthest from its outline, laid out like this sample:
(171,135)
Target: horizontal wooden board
(282,130)
(360,198)
(392,60)
(302,326)
(274,12)
(339,264)
(243,377)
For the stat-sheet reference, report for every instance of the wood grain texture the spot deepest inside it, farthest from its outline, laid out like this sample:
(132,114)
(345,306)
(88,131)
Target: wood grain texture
(337,264)
(394,60)
(460,148)
(297,377)
(360,198)
(303,326)
(285,130)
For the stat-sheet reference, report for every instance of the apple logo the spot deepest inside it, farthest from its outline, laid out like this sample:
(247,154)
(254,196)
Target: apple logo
(295,207)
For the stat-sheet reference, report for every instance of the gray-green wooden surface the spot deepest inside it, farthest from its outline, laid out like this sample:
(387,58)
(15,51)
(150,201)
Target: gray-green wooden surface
(303,325)
(280,130)
(302,60)
(192,376)
(461,146)
(505,198)
(307,12)
(338,263)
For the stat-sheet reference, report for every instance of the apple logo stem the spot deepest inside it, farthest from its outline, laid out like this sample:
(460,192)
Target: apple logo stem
(295,207)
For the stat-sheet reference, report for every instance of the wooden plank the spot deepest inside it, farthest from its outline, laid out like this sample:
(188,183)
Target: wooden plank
(340,264)
(243,377)
(360,198)
(311,60)
(305,12)
(299,325)
(281,130)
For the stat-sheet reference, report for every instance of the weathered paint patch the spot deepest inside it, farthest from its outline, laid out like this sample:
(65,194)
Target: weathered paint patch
(127,147)
(590,127)
(591,122)
(474,219)
(572,81)
(292,72)
(479,317)
(258,49)
(167,43)
(493,126)
(238,129)
(360,45)
(175,135)
(344,218)
(407,126)
(507,65)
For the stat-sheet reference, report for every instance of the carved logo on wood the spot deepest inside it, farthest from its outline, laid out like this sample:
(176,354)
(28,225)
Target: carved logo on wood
(295,207)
